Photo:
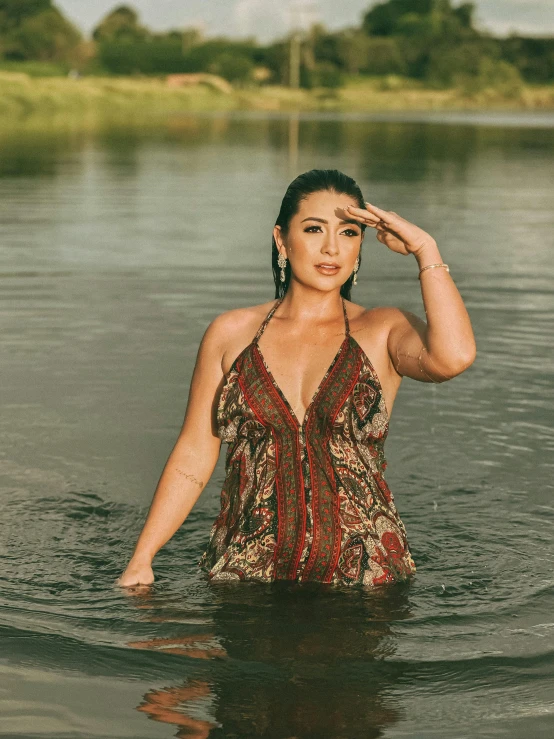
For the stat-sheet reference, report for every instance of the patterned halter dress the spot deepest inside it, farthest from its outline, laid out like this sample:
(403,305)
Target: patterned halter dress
(306,501)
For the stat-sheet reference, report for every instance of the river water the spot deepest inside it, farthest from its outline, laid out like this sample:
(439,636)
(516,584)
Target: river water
(118,248)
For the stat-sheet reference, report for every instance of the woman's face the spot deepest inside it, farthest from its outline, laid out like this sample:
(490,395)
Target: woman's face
(322,241)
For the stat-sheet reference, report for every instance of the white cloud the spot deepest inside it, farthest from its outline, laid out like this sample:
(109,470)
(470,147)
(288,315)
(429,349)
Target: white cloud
(260,18)
(532,17)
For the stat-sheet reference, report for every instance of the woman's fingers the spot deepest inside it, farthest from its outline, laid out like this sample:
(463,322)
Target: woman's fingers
(375,214)
(367,219)
(377,224)
(383,215)
(361,214)
(396,232)
(372,215)
(390,238)
(392,229)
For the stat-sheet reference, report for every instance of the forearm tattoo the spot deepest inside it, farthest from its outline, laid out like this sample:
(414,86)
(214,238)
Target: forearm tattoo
(192,478)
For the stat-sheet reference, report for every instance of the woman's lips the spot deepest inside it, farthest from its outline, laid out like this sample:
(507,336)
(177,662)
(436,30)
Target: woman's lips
(327,269)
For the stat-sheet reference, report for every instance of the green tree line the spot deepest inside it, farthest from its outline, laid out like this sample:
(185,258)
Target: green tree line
(427,40)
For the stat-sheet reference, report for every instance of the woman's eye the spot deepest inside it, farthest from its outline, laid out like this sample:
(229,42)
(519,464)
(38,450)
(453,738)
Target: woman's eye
(348,231)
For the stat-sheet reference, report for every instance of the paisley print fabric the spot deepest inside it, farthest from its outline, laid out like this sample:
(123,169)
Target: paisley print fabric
(306,501)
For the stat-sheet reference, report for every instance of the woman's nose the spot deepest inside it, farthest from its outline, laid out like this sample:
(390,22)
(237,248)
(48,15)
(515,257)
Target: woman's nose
(330,246)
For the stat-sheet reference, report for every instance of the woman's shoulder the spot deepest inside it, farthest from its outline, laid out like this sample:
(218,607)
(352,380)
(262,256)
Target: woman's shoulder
(238,320)
(231,331)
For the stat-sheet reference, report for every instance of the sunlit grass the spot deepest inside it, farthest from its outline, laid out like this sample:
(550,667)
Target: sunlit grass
(92,101)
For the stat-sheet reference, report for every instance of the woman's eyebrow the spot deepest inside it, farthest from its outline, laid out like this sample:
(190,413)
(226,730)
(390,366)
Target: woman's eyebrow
(322,220)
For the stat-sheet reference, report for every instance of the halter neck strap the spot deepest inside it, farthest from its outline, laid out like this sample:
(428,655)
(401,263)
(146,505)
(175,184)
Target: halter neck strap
(346,321)
(267,319)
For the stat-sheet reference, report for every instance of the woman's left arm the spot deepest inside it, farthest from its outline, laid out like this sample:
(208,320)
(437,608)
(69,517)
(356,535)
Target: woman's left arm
(444,346)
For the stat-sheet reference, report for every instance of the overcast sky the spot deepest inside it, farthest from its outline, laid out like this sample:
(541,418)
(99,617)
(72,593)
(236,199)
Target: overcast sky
(267,19)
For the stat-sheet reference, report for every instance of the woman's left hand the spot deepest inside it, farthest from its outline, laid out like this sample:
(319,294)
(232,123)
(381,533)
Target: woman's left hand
(395,232)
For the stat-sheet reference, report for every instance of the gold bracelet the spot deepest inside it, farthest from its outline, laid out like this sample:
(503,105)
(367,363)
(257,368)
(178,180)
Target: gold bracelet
(430,266)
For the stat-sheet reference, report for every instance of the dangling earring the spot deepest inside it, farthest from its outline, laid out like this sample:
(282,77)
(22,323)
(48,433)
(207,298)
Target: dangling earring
(356,268)
(282,262)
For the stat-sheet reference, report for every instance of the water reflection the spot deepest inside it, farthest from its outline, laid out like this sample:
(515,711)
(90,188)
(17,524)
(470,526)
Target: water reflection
(285,660)
(35,154)
(294,128)
(412,150)
(120,247)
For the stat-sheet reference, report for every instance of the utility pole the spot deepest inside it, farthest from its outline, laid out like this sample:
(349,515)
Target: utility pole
(294,59)
(299,9)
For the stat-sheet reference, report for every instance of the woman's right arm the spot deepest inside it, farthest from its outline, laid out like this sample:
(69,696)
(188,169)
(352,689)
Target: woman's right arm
(191,462)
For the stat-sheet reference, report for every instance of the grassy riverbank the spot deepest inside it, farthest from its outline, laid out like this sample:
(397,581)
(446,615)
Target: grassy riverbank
(91,101)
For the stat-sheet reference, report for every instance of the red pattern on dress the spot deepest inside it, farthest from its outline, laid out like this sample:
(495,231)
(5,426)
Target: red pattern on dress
(306,501)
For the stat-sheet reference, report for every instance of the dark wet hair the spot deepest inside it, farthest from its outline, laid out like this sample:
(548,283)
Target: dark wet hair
(305,184)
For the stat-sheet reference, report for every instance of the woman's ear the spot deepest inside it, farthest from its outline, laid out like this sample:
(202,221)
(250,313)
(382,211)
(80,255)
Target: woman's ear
(278,236)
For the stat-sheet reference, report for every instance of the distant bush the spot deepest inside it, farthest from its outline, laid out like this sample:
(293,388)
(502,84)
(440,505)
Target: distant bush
(353,47)
(327,75)
(164,54)
(46,36)
(534,57)
(200,56)
(232,67)
(120,24)
(383,56)
(445,64)
(123,57)
(323,74)
(36,69)
(493,75)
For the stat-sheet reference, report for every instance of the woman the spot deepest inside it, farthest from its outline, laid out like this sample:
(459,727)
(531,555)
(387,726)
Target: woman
(302,389)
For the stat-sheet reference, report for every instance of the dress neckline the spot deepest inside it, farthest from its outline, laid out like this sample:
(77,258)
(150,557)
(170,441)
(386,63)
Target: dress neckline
(300,425)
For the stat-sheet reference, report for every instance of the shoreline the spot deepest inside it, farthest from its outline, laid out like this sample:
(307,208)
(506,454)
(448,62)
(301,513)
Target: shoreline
(93,101)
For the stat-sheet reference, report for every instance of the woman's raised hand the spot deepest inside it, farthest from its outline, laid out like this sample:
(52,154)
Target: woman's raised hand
(395,232)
